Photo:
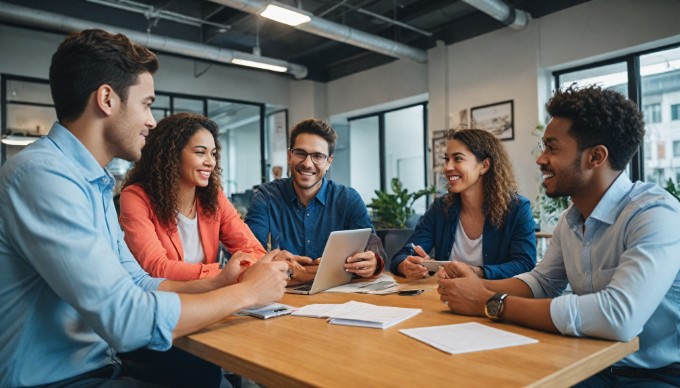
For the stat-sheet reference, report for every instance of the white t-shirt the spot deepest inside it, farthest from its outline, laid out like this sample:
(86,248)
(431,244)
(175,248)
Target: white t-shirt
(466,250)
(191,239)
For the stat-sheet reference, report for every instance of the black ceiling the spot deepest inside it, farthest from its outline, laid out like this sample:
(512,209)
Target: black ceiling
(447,20)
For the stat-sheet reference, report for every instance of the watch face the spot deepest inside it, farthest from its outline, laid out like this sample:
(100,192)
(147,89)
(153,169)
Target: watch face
(492,307)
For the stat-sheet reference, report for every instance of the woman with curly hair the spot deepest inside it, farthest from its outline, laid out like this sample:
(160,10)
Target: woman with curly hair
(172,208)
(482,221)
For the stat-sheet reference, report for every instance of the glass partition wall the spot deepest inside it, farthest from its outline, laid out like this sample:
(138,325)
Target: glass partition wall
(28,113)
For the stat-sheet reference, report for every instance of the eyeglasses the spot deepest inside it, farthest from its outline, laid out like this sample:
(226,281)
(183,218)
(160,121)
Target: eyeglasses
(299,155)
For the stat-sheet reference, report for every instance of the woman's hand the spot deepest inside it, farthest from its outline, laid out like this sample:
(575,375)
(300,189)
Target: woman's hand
(412,269)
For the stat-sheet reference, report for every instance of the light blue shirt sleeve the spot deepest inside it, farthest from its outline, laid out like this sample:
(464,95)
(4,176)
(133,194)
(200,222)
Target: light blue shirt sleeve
(623,265)
(647,268)
(61,236)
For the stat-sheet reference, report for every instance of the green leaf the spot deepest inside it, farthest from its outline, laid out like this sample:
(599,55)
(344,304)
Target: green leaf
(391,210)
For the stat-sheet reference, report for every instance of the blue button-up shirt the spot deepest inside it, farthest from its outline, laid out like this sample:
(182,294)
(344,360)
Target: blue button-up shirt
(71,294)
(303,230)
(624,271)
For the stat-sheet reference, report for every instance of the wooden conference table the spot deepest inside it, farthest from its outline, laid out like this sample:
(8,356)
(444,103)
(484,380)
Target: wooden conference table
(296,351)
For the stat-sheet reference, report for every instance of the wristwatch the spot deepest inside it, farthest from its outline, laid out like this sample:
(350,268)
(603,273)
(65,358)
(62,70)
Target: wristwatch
(494,307)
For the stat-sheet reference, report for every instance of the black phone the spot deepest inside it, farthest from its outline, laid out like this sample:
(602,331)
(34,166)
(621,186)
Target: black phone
(410,292)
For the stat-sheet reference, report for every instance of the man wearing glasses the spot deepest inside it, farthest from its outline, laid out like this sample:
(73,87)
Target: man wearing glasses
(298,213)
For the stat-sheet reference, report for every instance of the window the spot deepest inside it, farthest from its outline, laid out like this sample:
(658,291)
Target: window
(648,151)
(399,136)
(29,113)
(676,148)
(652,80)
(652,113)
(675,112)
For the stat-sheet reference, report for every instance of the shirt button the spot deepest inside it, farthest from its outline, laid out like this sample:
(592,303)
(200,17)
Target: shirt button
(307,214)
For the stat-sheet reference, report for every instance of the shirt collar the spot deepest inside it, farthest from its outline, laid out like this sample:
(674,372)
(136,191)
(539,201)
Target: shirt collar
(321,196)
(609,206)
(81,157)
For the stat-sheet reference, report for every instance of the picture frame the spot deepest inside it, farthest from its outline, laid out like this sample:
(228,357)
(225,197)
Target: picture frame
(497,118)
(439,140)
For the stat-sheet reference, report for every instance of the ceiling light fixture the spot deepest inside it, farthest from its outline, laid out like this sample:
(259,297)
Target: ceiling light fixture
(286,15)
(259,65)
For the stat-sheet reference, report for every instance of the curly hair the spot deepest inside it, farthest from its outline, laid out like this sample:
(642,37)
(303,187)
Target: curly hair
(158,170)
(88,59)
(500,186)
(601,117)
(315,127)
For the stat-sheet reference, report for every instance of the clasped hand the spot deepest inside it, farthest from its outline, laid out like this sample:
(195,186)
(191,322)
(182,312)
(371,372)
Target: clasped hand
(461,289)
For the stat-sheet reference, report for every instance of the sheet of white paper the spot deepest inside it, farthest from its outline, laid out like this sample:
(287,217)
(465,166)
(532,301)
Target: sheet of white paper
(383,284)
(373,316)
(466,337)
(324,310)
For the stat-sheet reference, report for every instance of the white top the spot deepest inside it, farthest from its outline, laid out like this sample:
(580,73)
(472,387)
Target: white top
(465,250)
(191,238)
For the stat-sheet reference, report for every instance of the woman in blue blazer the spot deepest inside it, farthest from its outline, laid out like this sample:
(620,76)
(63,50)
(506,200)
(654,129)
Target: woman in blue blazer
(481,221)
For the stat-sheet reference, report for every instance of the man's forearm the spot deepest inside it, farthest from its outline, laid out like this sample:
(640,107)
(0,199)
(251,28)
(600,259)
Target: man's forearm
(199,311)
(533,313)
(509,286)
(197,286)
(520,307)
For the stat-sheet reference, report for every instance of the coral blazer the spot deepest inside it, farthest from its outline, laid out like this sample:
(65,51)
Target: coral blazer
(159,250)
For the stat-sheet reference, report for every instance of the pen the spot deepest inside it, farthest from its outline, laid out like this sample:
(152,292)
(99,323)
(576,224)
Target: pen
(413,249)
(280,310)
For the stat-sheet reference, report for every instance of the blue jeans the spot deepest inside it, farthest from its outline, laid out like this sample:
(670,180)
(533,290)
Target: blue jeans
(668,376)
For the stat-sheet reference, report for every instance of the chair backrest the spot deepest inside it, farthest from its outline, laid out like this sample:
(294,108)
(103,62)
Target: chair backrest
(393,241)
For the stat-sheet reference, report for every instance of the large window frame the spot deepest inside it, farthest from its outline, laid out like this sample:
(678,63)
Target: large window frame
(384,180)
(201,103)
(632,62)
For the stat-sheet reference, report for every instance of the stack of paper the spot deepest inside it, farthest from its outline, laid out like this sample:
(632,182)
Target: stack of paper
(381,285)
(466,337)
(358,314)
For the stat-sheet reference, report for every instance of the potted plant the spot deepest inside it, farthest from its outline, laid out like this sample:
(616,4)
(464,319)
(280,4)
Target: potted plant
(391,211)
(673,189)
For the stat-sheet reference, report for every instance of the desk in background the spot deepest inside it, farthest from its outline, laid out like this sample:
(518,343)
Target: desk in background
(296,351)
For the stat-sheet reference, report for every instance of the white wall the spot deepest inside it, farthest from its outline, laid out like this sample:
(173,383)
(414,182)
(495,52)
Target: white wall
(397,80)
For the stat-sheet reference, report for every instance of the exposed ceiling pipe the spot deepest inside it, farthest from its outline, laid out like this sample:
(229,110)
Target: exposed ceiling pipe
(497,9)
(335,31)
(36,18)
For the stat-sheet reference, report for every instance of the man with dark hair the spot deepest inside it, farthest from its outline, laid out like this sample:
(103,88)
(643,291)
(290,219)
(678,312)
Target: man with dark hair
(299,213)
(71,294)
(617,246)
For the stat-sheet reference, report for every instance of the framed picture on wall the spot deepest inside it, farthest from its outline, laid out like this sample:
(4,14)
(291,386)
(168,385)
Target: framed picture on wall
(438,151)
(497,118)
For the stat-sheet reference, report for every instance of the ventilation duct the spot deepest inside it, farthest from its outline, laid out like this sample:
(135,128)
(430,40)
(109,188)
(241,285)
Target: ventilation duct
(36,18)
(335,31)
(497,9)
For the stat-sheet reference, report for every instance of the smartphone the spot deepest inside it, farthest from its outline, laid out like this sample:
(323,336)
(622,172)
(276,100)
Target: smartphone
(410,292)
(433,266)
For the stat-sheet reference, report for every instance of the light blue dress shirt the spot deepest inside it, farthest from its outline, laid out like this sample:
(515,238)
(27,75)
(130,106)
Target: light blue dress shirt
(624,271)
(71,293)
